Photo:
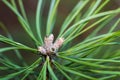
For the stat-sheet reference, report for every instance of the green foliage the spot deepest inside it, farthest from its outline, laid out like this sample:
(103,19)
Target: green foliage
(94,58)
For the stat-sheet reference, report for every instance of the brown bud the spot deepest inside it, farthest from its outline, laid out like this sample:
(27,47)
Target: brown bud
(58,43)
(49,47)
(49,41)
(42,50)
